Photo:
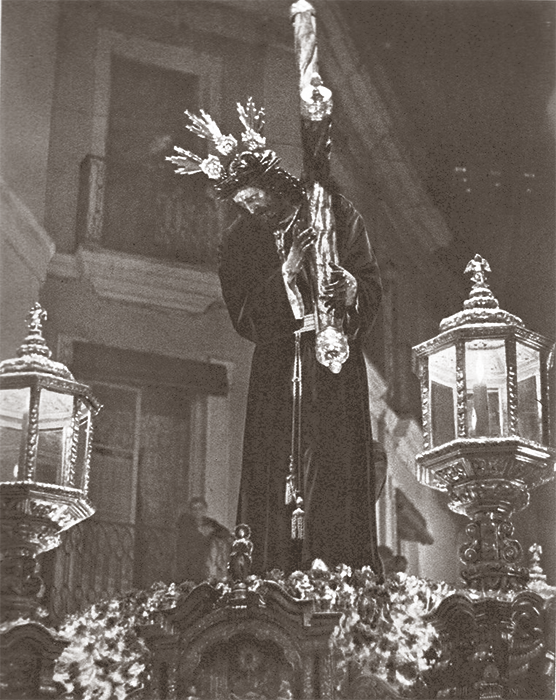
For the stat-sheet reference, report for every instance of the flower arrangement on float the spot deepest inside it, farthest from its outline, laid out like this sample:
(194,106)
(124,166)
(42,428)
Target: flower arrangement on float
(106,657)
(383,629)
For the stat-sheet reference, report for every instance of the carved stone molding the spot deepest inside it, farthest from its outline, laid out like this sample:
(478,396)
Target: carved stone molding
(140,280)
(90,208)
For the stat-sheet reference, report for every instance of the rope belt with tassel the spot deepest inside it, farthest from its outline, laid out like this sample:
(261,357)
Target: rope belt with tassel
(294,480)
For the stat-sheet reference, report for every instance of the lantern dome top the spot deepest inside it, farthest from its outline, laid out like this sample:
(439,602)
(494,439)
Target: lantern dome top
(482,306)
(34,355)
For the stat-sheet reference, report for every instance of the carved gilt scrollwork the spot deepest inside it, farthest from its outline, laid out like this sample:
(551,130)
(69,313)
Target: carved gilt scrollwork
(69,476)
(491,557)
(32,441)
(454,473)
(425,401)
(20,575)
(490,648)
(527,641)
(496,494)
(511,369)
(461,390)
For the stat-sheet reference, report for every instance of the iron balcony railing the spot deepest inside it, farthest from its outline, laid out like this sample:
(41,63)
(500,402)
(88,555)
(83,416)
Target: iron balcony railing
(99,559)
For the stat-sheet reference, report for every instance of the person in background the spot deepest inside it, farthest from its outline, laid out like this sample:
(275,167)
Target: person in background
(203,545)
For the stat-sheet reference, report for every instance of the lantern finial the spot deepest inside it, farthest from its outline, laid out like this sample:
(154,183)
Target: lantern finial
(478,267)
(480,295)
(482,306)
(34,343)
(34,355)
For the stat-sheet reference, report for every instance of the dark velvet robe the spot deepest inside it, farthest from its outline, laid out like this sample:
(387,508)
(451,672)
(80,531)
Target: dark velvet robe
(339,479)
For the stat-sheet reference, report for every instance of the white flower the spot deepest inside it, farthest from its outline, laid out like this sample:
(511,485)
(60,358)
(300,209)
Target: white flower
(212,168)
(226,145)
(318,566)
(344,571)
(135,669)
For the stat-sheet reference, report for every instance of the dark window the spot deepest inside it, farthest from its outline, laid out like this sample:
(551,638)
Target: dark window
(149,210)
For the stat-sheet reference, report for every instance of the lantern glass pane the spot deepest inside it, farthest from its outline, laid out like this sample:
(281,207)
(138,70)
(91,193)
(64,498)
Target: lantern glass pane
(54,432)
(14,417)
(486,383)
(443,395)
(529,406)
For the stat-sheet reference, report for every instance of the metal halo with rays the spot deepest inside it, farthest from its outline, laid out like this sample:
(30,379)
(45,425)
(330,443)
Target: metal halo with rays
(233,166)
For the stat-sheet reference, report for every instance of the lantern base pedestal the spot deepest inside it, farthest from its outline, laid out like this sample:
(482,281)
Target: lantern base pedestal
(32,516)
(488,480)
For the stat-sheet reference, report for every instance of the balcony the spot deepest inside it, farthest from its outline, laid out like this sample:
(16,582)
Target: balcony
(167,260)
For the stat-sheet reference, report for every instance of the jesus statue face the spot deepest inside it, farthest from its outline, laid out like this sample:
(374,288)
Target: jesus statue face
(261,203)
(255,200)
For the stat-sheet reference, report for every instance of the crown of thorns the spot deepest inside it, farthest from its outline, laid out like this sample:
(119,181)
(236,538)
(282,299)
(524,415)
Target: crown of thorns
(234,165)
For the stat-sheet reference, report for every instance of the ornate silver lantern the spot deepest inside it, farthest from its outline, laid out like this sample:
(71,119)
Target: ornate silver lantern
(45,443)
(484,392)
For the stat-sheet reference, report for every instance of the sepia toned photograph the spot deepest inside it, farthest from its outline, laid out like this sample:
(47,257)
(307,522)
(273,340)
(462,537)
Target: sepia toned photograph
(277,349)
